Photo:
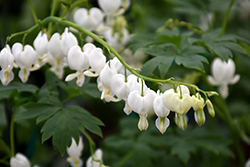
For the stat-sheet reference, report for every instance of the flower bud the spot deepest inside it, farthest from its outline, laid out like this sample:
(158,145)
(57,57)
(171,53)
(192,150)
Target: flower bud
(88,19)
(210,108)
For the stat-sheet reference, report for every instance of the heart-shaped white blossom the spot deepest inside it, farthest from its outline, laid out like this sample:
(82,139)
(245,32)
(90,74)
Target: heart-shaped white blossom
(54,47)
(75,152)
(6,62)
(109,6)
(88,19)
(68,40)
(77,60)
(222,75)
(41,43)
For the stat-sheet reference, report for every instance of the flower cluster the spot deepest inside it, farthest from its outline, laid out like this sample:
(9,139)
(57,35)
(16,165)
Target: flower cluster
(114,80)
(75,151)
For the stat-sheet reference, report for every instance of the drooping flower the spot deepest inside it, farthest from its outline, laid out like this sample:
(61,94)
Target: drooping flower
(179,102)
(19,161)
(58,48)
(41,46)
(75,152)
(6,62)
(223,75)
(88,19)
(24,58)
(162,122)
(95,160)
(109,6)
(96,60)
(141,102)
(121,88)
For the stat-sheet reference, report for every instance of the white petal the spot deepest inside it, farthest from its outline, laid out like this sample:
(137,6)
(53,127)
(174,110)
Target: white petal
(67,41)
(223,89)
(24,75)
(235,79)
(162,124)
(54,46)
(109,6)
(75,150)
(71,77)
(97,60)
(212,81)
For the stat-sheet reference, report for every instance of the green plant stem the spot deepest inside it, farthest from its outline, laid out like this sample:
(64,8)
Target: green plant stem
(224,25)
(33,12)
(110,49)
(52,13)
(226,116)
(125,158)
(12,123)
(91,142)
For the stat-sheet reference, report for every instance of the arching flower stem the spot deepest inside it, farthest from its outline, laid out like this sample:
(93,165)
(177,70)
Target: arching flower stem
(109,48)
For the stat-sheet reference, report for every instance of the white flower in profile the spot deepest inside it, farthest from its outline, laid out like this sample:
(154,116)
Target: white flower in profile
(162,122)
(95,160)
(75,152)
(6,62)
(78,61)
(24,58)
(88,19)
(41,46)
(19,161)
(223,75)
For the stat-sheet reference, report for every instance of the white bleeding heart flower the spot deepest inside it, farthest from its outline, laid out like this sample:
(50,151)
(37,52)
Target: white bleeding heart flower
(97,62)
(56,55)
(121,88)
(162,122)
(179,102)
(6,62)
(88,19)
(88,48)
(68,40)
(142,104)
(95,160)
(109,6)
(41,46)
(19,161)
(78,61)
(223,75)
(117,40)
(75,152)
(106,76)
(24,58)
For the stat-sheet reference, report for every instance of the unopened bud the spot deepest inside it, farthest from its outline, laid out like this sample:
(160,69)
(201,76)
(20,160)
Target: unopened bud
(210,108)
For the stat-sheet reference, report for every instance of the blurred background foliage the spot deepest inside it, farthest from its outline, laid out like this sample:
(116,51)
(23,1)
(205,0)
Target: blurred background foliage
(123,144)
